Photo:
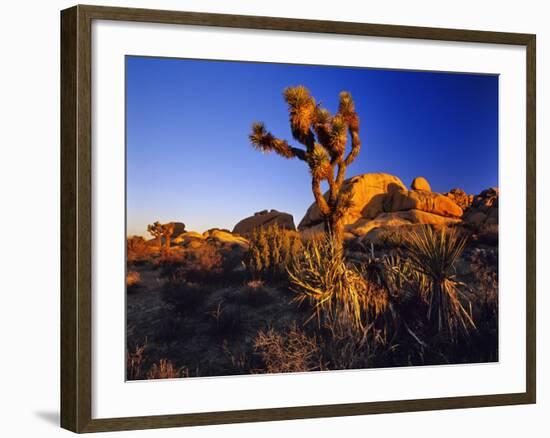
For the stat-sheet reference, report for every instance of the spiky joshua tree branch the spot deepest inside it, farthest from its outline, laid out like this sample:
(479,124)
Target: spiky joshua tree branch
(324,137)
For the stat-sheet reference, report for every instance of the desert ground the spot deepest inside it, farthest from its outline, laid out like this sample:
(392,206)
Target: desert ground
(415,282)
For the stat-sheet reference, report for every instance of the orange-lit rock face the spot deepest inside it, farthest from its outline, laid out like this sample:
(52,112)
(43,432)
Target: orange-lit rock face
(382,201)
(428,202)
(368,193)
(421,183)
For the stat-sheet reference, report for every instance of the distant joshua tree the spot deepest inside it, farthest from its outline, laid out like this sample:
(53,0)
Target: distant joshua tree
(169,229)
(159,231)
(324,137)
(156,230)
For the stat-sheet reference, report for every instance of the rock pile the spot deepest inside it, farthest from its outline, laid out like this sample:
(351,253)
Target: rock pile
(381,200)
(460,197)
(484,208)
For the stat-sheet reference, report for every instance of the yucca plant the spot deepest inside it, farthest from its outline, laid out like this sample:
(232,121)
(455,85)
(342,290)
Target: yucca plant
(433,255)
(341,296)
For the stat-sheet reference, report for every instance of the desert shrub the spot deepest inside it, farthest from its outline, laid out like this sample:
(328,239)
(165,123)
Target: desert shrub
(173,327)
(433,254)
(272,249)
(166,370)
(253,294)
(290,351)
(204,264)
(488,235)
(342,298)
(171,265)
(137,250)
(228,319)
(133,279)
(186,297)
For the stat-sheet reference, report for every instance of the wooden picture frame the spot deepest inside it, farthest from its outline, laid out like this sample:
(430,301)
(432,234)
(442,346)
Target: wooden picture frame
(76,217)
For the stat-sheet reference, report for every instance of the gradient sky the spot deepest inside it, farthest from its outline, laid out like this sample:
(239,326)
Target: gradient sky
(188,121)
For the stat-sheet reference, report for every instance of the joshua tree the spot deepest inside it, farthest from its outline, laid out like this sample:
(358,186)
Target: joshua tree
(157,231)
(168,231)
(324,137)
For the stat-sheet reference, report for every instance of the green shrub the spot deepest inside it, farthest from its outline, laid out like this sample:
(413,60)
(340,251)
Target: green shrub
(272,249)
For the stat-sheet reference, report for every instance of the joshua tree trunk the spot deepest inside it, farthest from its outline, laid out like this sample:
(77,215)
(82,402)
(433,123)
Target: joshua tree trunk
(335,228)
(159,240)
(324,137)
(168,230)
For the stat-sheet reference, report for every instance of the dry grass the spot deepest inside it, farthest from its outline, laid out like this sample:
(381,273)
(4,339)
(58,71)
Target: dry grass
(134,362)
(166,370)
(433,255)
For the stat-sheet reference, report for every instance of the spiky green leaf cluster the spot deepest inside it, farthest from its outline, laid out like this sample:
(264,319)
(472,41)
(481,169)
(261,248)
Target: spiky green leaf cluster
(433,254)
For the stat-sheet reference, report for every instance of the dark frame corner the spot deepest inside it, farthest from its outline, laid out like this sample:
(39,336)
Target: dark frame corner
(76,172)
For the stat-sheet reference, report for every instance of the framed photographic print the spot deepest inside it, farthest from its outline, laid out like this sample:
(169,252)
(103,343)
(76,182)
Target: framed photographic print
(268,218)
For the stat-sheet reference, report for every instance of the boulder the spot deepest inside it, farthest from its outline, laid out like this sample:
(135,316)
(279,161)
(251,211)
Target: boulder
(421,183)
(429,202)
(263,219)
(179,228)
(225,238)
(185,238)
(368,192)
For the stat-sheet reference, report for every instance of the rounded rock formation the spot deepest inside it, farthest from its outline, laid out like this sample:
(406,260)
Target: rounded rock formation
(263,219)
(421,183)
(429,202)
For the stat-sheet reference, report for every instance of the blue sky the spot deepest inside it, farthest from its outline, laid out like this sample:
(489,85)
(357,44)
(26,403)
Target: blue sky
(188,121)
